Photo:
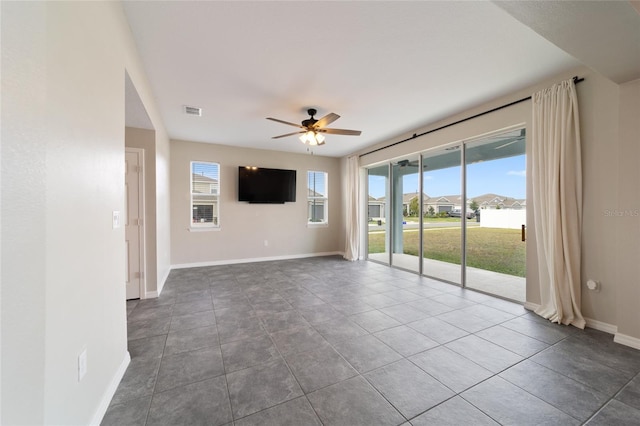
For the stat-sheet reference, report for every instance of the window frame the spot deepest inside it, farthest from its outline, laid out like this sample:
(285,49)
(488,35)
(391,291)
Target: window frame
(215,198)
(324,198)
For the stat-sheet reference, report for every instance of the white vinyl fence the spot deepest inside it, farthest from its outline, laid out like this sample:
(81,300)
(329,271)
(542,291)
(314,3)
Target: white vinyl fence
(503,218)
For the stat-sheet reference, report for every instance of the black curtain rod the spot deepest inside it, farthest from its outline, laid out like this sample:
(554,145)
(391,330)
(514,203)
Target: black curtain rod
(576,80)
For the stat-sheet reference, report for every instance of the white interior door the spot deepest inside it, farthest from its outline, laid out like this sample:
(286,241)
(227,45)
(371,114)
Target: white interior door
(134,212)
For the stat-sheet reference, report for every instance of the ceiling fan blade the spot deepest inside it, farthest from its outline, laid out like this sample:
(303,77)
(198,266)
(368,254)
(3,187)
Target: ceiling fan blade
(341,132)
(285,122)
(288,134)
(326,120)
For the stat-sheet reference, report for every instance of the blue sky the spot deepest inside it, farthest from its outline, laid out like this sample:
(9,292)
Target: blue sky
(504,177)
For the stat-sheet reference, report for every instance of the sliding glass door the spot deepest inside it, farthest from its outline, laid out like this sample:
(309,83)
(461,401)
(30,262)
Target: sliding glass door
(496,197)
(378,214)
(442,227)
(468,226)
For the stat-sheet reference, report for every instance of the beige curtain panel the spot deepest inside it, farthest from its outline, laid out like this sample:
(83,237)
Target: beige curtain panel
(557,201)
(352,245)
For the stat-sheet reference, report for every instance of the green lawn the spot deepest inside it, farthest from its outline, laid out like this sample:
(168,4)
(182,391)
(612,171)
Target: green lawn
(492,249)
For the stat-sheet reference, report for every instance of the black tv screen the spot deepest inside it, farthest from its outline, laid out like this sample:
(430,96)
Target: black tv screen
(262,185)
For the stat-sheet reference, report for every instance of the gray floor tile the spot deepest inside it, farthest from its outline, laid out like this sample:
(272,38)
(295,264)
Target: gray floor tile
(148,328)
(467,322)
(256,388)
(616,413)
(430,307)
(201,403)
(405,340)
(188,367)
(193,320)
(408,388)
(148,347)
(510,405)
(339,329)
(248,353)
(582,369)
(438,330)
(574,398)
(453,301)
(402,296)
(454,412)
(297,412)
(453,370)
(487,313)
(378,301)
(199,305)
(490,356)
(301,339)
(138,381)
(317,314)
(319,368)
(544,331)
(404,313)
(366,353)
(600,347)
(233,331)
(353,402)
(141,313)
(630,394)
(191,339)
(373,321)
(519,343)
(278,321)
(132,412)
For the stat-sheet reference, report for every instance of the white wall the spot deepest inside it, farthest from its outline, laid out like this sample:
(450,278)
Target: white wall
(503,218)
(245,227)
(611,246)
(63,74)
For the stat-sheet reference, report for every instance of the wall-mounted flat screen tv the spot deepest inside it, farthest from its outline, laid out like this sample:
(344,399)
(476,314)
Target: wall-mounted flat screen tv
(267,186)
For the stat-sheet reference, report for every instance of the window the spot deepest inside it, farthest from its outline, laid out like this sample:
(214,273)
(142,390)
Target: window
(205,194)
(317,197)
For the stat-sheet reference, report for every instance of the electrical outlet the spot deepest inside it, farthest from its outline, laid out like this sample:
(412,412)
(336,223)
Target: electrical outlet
(82,364)
(266,243)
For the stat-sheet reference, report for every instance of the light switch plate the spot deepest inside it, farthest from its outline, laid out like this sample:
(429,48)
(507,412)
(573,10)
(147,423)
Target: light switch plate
(116,219)
(82,364)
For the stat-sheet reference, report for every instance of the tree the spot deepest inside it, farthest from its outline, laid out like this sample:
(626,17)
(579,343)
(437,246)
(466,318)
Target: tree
(431,211)
(413,207)
(473,206)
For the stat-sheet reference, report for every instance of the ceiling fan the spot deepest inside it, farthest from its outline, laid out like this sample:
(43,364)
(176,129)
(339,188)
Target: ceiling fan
(312,129)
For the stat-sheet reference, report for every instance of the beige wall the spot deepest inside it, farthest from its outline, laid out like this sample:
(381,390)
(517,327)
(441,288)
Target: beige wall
(245,227)
(628,244)
(63,85)
(610,181)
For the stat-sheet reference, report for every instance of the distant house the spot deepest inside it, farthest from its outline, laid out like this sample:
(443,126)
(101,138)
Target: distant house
(446,203)
(204,192)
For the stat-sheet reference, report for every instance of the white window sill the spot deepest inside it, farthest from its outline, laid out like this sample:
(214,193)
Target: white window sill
(204,229)
(317,225)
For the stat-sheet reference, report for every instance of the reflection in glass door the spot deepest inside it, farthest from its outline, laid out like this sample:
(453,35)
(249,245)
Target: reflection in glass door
(378,214)
(496,202)
(405,205)
(442,223)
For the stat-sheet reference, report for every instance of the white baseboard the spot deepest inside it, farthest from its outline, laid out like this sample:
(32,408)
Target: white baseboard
(623,339)
(151,295)
(252,260)
(111,390)
(601,326)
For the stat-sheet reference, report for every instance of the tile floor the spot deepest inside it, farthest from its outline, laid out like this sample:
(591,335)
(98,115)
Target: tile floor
(324,341)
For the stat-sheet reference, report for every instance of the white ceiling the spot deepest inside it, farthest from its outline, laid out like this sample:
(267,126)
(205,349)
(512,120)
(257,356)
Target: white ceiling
(385,67)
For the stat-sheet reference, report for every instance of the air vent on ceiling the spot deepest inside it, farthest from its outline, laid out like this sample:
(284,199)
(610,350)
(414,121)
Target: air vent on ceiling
(189,110)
